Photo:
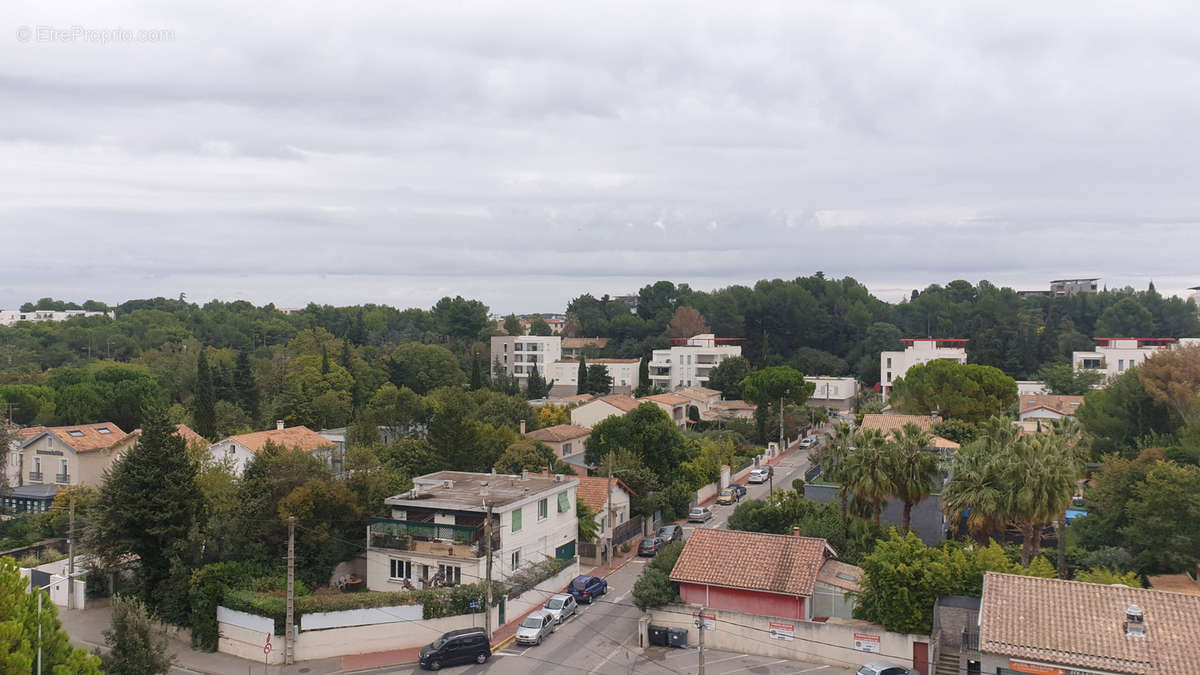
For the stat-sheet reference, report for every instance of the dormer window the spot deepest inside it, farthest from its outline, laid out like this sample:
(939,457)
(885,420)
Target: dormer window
(75,433)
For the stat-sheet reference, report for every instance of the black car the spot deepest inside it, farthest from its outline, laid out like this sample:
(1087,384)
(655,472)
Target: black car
(468,645)
(650,546)
(739,490)
(670,533)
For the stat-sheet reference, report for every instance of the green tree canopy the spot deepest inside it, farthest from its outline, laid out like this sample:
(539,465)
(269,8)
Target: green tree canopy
(424,368)
(969,392)
(1061,378)
(19,623)
(727,377)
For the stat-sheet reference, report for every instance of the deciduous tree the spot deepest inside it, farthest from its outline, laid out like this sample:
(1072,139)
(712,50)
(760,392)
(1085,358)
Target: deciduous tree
(687,322)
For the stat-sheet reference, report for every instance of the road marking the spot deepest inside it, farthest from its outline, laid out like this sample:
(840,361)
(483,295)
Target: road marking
(809,670)
(757,665)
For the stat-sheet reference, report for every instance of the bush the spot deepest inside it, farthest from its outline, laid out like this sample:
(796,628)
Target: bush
(676,500)
(798,485)
(532,575)
(654,589)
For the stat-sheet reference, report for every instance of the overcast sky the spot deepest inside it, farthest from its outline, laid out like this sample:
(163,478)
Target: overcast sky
(525,153)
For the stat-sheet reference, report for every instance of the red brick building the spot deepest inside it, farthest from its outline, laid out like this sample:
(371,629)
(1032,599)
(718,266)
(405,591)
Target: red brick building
(751,572)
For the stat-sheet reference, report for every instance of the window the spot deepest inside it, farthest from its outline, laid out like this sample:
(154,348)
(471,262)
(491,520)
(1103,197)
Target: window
(401,569)
(564,502)
(516,559)
(37,464)
(516,520)
(566,449)
(543,509)
(1120,364)
(450,573)
(75,433)
(889,376)
(889,362)
(104,430)
(1091,364)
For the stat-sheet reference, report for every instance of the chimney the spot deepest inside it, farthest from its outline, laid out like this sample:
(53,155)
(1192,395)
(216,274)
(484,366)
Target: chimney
(1135,622)
(795,532)
(279,425)
(522,427)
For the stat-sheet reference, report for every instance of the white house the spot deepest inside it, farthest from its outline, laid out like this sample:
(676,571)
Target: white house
(1113,356)
(702,397)
(593,492)
(1048,407)
(691,360)
(518,355)
(674,405)
(837,393)
(239,450)
(624,374)
(437,531)
(11,317)
(597,410)
(893,365)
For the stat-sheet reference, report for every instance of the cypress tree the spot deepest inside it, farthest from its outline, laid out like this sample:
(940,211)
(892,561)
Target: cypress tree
(535,386)
(243,383)
(582,387)
(643,387)
(344,359)
(476,374)
(324,360)
(204,412)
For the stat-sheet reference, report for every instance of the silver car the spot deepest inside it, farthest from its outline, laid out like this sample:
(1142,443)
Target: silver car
(562,606)
(885,668)
(535,627)
(700,514)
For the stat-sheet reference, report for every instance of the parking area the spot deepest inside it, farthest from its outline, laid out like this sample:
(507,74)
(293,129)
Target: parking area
(727,663)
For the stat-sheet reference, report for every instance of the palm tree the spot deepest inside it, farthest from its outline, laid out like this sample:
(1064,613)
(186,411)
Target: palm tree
(1041,473)
(865,470)
(1072,433)
(976,484)
(914,468)
(832,457)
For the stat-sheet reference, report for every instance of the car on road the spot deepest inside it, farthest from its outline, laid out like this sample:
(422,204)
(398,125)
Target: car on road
(670,533)
(650,546)
(700,514)
(562,606)
(885,668)
(587,588)
(759,475)
(727,496)
(536,627)
(739,489)
(467,645)
(808,442)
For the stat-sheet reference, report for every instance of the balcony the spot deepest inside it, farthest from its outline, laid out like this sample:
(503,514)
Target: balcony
(62,478)
(35,476)
(455,541)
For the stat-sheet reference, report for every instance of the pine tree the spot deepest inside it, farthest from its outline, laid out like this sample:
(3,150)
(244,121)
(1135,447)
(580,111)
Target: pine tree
(582,387)
(247,389)
(324,360)
(204,404)
(345,358)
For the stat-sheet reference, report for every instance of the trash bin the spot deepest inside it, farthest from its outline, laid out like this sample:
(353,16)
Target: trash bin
(658,636)
(677,637)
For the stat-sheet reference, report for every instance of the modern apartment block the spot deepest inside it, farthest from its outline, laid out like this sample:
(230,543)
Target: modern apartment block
(1113,356)
(893,365)
(1068,287)
(11,317)
(691,360)
(437,535)
(518,355)
(837,393)
(624,374)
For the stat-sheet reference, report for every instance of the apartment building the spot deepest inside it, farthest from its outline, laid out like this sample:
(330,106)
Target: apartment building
(836,393)
(624,374)
(518,355)
(691,360)
(70,455)
(893,365)
(11,317)
(437,534)
(572,347)
(1113,356)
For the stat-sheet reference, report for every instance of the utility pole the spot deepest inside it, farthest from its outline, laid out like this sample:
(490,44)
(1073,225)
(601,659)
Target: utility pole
(71,554)
(609,522)
(487,536)
(701,624)
(289,644)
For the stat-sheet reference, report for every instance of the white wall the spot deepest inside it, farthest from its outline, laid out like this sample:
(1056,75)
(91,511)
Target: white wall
(592,413)
(893,365)
(534,349)
(238,455)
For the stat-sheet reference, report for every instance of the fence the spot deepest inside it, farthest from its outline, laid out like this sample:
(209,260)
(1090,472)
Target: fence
(627,530)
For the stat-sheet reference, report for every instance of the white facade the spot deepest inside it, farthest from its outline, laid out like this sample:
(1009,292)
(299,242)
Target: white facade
(1027,387)
(597,410)
(1114,356)
(518,355)
(10,317)
(893,365)
(689,364)
(534,515)
(833,392)
(237,455)
(624,373)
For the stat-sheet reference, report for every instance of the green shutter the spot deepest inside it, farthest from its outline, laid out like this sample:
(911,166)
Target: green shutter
(566,551)
(516,520)
(564,502)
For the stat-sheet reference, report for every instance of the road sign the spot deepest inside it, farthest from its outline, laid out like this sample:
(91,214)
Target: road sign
(865,642)
(710,621)
(267,647)
(782,631)
(474,605)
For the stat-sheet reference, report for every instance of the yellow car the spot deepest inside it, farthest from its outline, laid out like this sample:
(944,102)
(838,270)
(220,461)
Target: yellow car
(727,496)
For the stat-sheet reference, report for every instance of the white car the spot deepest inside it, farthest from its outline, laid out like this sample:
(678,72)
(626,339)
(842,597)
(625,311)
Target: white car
(759,475)
(535,627)
(562,606)
(808,442)
(884,668)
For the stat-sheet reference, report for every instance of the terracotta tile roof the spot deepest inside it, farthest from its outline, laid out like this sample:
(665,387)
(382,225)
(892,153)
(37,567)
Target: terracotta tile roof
(621,402)
(840,575)
(558,433)
(81,437)
(189,435)
(735,404)
(301,438)
(1083,625)
(665,399)
(579,343)
(593,491)
(894,423)
(577,398)
(1065,405)
(1175,583)
(751,560)
(698,393)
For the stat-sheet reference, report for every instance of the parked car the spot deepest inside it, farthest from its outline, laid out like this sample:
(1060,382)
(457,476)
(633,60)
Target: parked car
(586,588)
(808,441)
(885,668)
(727,496)
(759,475)
(739,489)
(700,514)
(562,606)
(467,645)
(650,546)
(536,627)
(670,533)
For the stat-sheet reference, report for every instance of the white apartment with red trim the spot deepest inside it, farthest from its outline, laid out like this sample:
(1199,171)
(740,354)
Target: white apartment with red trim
(893,365)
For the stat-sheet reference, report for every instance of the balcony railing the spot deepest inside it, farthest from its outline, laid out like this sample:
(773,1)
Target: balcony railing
(460,541)
(62,478)
(35,475)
